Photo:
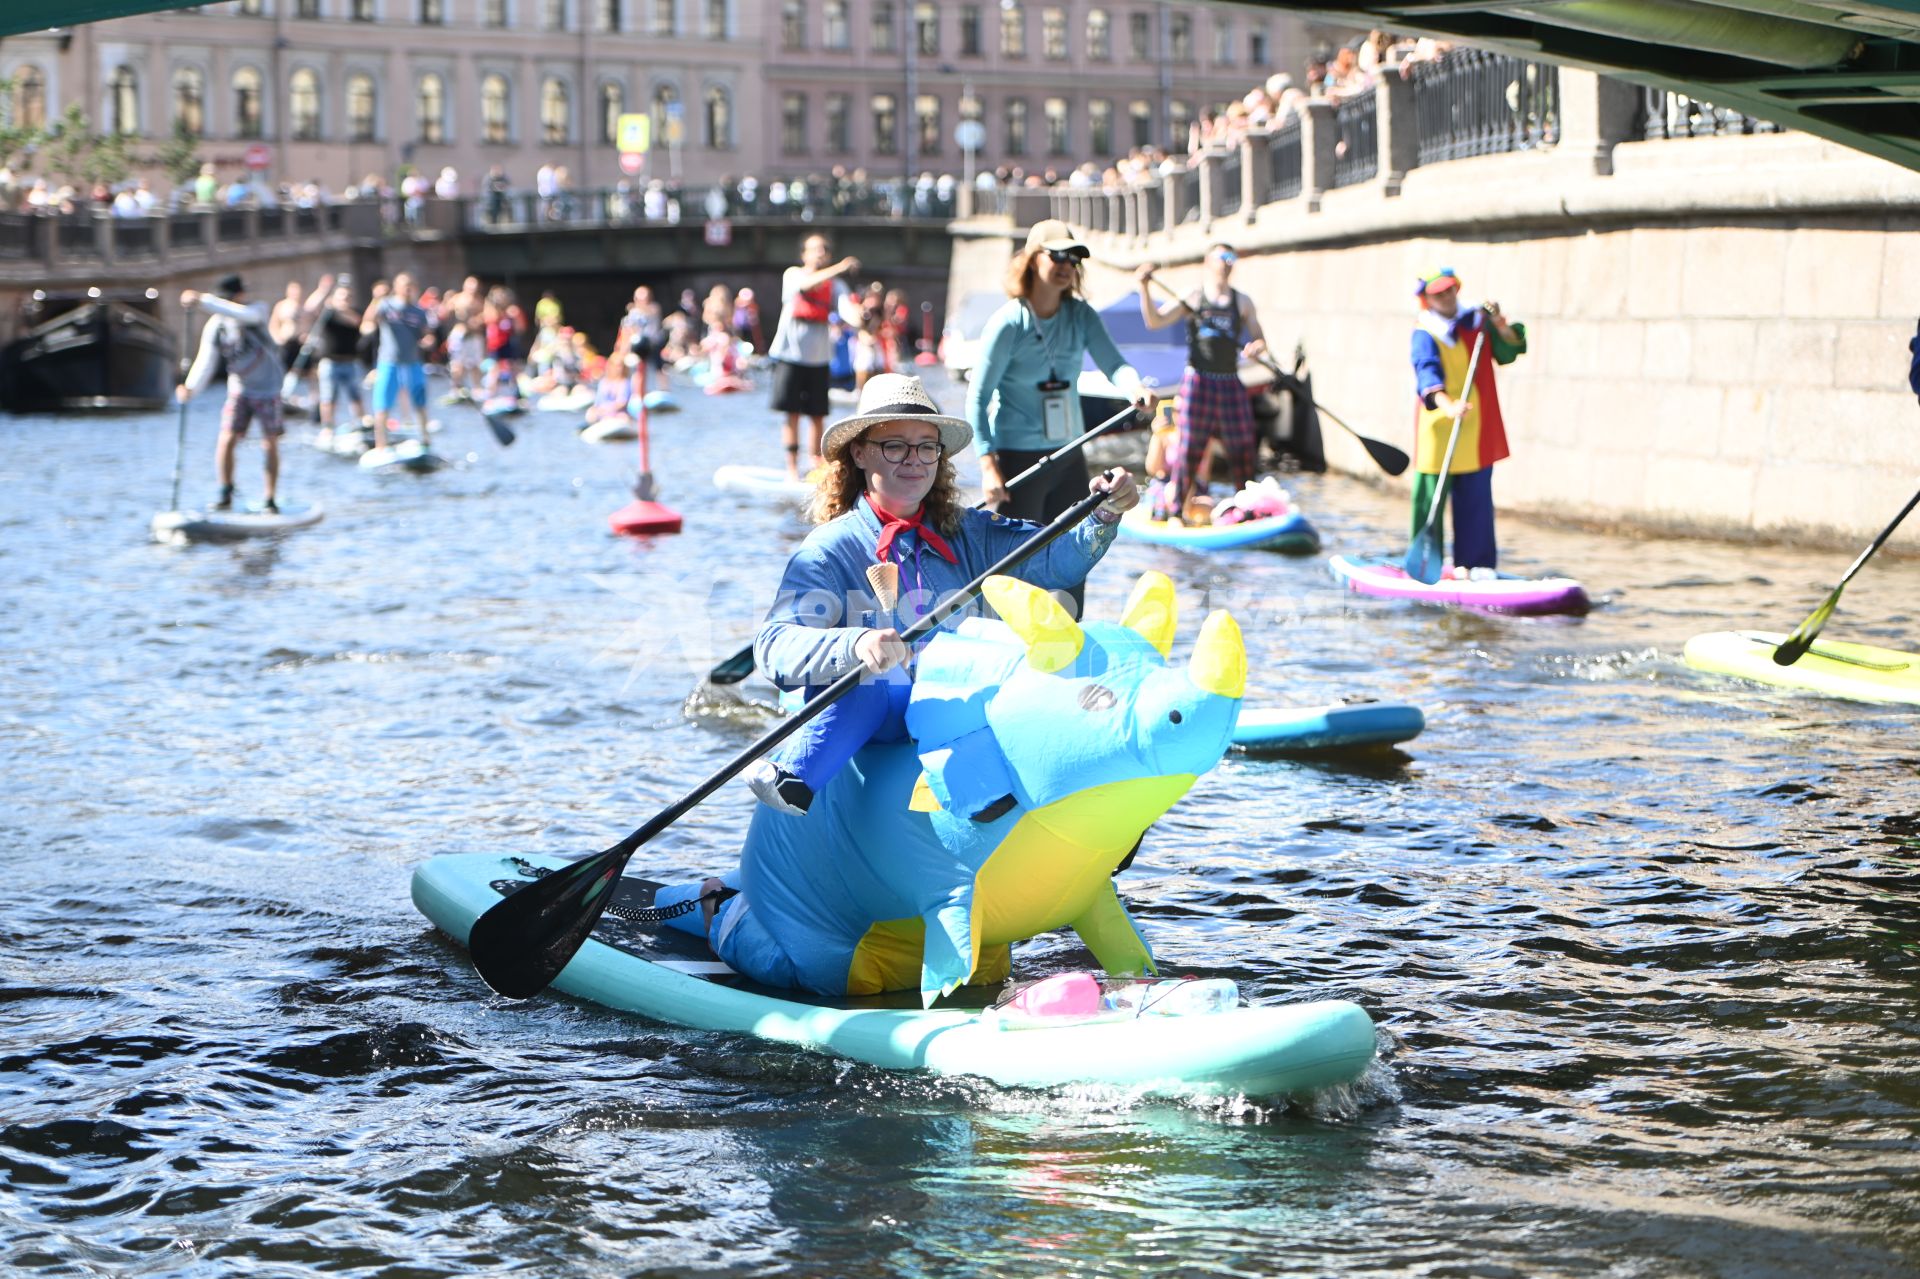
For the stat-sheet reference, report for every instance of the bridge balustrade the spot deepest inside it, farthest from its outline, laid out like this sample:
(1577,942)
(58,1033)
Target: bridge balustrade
(1475,102)
(1674,115)
(1357,154)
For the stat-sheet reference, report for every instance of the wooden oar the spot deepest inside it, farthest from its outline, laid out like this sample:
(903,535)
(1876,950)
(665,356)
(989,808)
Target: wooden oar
(1390,459)
(740,664)
(523,940)
(1795,646)
(1415,564)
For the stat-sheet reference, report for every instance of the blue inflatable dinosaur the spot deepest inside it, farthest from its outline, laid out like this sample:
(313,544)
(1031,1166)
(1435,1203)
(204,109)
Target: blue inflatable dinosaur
(1072,739)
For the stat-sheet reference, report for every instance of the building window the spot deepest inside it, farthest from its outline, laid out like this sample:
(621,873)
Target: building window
(1016,127)
(793,123)
(1056,110)
(1257,48)
(360,108)
(496,13)
(556,111)
(1013,29)
(496,106)
(1180,37)
(613,104)
(926,115)
(1099,36)
(360,10)
(1100,126)
(665,109)
(886,131)
(251,8)
(926,28)
(29,98)
(303,104)
(306,8)
(1140,37)
(189,102)
(715,25)
(719,113)
(1053,33)
(834,29)
(433,13)
(839,134)
(246,103)
(607,17)
(554,15)
(662,19)
(1223,42)
(970,31)
(793,24)
(430,109)
(880,32)
(1179,121)
(1140,111)
(123,100)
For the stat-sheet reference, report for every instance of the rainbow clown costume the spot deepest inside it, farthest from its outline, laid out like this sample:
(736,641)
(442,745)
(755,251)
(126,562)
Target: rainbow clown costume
(1443,344)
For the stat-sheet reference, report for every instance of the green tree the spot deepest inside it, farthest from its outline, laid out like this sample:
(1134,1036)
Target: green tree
(109,159)
(70,142)
(180,157)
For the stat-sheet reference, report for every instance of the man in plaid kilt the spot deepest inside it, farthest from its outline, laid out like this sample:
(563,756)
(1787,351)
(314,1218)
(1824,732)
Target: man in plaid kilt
(1222,329)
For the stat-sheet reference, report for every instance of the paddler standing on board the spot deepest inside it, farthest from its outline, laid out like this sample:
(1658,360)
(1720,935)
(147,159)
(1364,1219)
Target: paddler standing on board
(237,331)
(802,348)
(1443,344)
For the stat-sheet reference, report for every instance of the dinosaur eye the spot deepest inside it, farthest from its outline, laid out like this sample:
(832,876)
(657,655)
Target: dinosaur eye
(1174,716)
(1096,697)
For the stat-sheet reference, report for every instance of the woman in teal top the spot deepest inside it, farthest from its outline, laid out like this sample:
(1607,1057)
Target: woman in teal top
(1021,401)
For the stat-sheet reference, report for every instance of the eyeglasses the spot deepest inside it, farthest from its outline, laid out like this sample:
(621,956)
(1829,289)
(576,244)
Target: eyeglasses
(896,451)
(1065,257)
(1228,258)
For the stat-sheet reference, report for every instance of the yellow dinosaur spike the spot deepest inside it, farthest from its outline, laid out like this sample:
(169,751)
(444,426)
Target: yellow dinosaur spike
(1219,662)
(1053,639)
(923,800)
(1151,611)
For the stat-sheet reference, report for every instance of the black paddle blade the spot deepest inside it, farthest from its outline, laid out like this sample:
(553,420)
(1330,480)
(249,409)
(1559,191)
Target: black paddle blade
(734,669)
(1795,646)
(1391,459)
(523,941)
(501,431)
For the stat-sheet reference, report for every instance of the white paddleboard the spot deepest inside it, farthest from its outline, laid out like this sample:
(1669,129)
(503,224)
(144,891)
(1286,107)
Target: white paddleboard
(181,527)
(610,430)
(761,481)
(407,455)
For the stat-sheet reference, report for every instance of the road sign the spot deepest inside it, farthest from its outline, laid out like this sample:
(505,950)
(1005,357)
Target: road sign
(259,155)
(632,161)
(634,133)
(970,135)
(719,232)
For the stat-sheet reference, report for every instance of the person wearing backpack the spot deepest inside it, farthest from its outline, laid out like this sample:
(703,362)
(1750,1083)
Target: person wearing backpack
(236,332)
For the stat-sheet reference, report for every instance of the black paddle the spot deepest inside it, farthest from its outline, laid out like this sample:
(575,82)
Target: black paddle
(1390,459)
(523,940)
(501,431)
(740,665)
(1795,646)
(1415,564)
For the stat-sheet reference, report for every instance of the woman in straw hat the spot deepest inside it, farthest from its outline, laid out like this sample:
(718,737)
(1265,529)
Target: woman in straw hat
(894,539)
(1021,399)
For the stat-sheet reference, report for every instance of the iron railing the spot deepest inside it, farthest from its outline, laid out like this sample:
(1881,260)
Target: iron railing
(1283,157)
(1190,194)
(1674,115)
(1475,102)
(1229,184)
(1356,155)
(801,201)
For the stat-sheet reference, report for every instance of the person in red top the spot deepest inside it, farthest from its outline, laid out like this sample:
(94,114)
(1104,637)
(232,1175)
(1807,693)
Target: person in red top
(802,347)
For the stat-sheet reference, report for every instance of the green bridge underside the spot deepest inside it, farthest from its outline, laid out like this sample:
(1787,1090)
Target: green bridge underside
(1839,69)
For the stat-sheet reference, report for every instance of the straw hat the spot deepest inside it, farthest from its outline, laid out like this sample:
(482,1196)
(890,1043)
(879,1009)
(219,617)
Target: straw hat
(890,396)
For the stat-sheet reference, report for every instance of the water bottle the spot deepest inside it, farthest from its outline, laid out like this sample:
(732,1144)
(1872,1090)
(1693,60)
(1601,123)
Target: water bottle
(1187,997)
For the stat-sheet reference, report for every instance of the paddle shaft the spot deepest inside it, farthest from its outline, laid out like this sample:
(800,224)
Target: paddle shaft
(1390,459)
(520,944)
(740,665)
(1453,436)
(180,433)
(1795,646)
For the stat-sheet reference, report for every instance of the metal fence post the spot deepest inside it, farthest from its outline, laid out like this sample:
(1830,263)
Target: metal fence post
(1255,163)
(1398,128)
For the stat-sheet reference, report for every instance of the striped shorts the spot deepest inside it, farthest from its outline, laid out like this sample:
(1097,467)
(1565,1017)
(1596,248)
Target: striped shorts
(1211,406)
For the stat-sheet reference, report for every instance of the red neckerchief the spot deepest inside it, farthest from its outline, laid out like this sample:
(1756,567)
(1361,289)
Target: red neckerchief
(891,525)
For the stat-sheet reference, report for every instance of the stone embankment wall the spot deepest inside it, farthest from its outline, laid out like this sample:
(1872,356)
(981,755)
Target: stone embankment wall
(1718,326)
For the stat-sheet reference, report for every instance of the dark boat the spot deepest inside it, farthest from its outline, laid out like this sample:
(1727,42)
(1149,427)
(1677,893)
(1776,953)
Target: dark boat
(98,349)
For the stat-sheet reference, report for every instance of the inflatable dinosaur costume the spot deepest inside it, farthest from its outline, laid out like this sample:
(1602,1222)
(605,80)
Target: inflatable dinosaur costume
(1076,738)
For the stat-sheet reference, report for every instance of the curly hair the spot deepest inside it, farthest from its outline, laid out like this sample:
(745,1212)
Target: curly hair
(840,489)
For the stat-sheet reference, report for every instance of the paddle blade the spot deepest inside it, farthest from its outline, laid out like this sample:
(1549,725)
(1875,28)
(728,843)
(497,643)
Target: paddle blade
(1795,646)
(1391,459)
(501,431)
(734,669)
(1420,564)
(523,941)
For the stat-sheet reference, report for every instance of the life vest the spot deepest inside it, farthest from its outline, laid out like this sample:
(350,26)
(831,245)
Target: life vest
(814,305)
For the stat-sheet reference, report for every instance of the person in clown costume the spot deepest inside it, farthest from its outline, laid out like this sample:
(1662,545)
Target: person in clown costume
(1443,343)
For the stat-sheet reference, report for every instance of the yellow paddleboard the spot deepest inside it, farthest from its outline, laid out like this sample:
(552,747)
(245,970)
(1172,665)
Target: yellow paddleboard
(1833,667)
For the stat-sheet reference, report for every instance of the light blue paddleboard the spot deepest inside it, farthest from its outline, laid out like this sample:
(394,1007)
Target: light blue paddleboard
(669,975)
(1290,534)
(1349,726)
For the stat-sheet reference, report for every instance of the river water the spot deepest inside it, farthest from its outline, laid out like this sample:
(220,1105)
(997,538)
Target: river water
(1641,942)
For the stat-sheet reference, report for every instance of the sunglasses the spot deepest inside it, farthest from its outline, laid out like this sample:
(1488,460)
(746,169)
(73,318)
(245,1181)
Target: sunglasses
(1066,257)
(896,451)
